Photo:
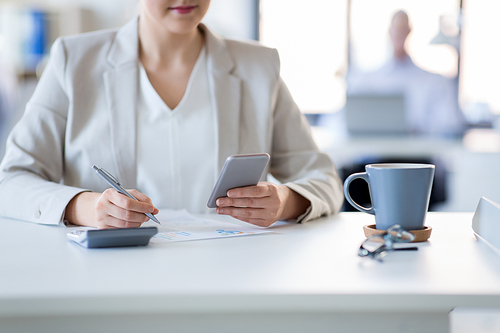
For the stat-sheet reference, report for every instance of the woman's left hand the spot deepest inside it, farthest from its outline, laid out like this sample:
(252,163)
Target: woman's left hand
(262,204)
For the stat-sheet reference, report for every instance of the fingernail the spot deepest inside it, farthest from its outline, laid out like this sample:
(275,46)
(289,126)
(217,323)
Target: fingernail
(220,202)
(230,193)
(220,211)
(151,209)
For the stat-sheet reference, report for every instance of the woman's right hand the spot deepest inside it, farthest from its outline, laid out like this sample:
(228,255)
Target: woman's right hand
(109,209)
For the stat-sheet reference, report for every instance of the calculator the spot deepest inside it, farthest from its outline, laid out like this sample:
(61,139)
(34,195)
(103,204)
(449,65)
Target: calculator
(112,237)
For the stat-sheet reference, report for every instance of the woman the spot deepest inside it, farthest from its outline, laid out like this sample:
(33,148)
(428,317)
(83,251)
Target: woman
(161,103)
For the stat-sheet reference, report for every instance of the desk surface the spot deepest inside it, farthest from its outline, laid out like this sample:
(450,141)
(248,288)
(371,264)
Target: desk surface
(298,267)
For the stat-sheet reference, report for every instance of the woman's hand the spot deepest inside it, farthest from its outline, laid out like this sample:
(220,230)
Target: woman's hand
(109,209)
(262,204)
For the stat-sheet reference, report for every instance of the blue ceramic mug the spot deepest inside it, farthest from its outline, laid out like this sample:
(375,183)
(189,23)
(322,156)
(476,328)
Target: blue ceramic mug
(399,193)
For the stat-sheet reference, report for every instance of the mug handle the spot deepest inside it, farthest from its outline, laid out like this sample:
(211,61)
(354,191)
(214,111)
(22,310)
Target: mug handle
(361,175)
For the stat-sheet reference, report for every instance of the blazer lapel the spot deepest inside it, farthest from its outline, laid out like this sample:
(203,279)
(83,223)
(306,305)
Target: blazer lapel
(225,89)
(121,84)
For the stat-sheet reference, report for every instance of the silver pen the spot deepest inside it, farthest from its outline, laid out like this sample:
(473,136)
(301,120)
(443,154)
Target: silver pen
(111,180)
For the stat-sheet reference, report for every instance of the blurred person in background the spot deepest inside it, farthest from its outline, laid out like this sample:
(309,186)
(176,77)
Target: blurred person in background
(431,107)
(431,99)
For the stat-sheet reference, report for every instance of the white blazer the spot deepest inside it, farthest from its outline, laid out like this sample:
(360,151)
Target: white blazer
(83,113)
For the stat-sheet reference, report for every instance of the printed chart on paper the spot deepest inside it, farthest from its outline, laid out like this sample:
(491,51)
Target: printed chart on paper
(179,226)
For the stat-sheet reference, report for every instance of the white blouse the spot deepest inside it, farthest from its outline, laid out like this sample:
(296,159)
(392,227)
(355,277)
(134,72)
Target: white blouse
(177,142)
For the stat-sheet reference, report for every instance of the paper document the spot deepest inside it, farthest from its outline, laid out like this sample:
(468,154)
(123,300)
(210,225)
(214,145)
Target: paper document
(179,226)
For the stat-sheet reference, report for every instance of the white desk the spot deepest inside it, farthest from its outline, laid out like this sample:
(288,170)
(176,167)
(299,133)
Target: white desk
(302,278)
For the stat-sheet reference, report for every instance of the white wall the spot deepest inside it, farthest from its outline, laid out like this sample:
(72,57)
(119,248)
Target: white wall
(233,18)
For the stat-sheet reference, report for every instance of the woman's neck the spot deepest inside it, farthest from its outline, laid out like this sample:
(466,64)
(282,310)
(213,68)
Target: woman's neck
(161,48)
(400,53)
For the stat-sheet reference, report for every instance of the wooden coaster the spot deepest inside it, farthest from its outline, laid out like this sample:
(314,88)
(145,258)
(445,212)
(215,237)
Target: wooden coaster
(420,235)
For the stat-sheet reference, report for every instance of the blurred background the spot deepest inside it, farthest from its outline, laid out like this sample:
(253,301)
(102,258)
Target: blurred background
(438,102)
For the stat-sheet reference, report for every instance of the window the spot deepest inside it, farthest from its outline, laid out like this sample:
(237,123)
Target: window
(311,39)
(370,42)
(480,66)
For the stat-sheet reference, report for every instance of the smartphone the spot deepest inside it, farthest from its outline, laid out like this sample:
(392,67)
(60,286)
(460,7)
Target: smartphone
(238,171)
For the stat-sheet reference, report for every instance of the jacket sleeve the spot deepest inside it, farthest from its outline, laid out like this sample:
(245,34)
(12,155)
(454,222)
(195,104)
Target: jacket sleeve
(32,169)
(298,163)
